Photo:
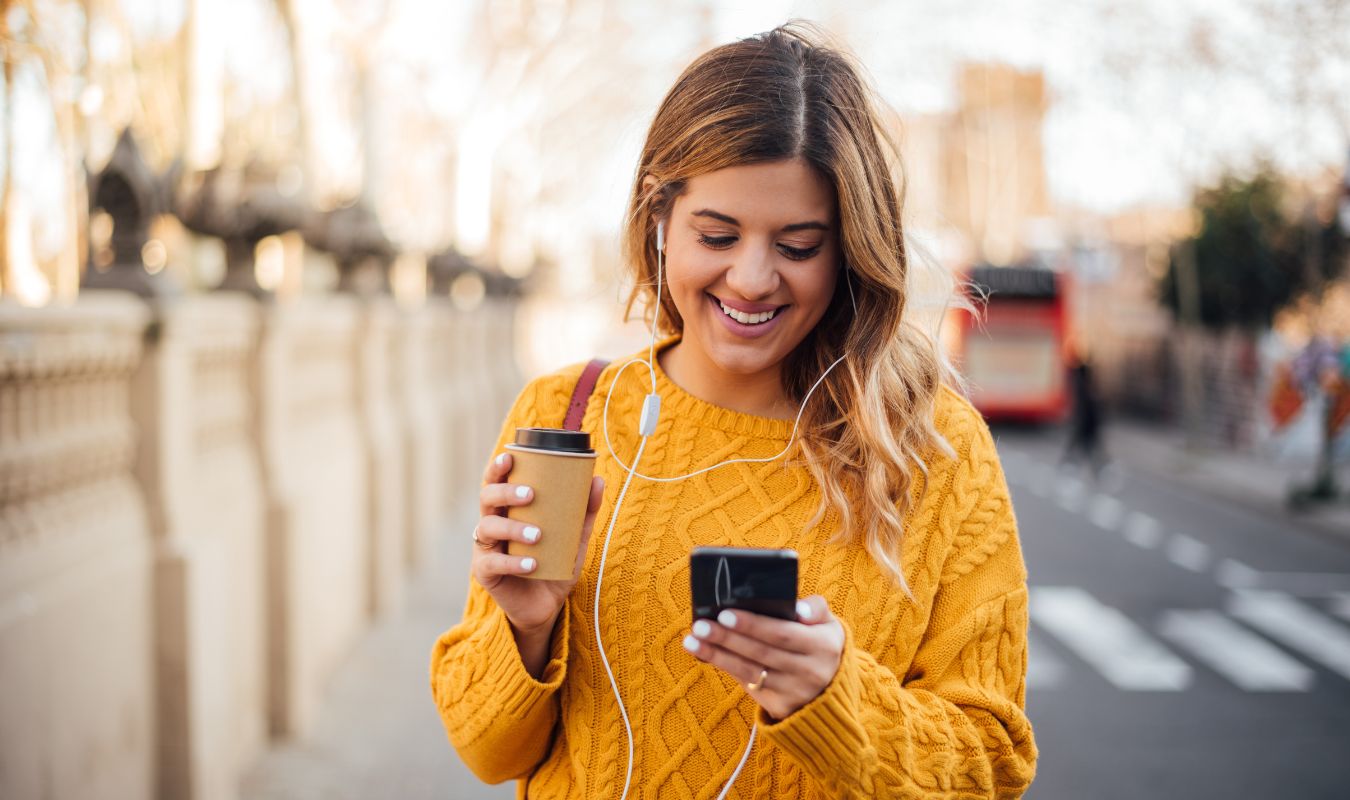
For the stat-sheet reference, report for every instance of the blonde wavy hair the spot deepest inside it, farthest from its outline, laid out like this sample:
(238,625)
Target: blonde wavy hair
(788,94)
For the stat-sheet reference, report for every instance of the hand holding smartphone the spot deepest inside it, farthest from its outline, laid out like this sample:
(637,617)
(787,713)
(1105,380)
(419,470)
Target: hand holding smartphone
(762,581)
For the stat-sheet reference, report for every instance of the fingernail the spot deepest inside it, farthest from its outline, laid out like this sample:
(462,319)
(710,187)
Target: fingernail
(727,618)
(804,609)
(522,492)
(527,564)
(691,644)
(501,460)
(531,534)
(702,628)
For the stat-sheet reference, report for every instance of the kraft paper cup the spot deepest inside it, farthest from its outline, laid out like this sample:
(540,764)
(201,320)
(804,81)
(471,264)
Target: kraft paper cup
(558,465)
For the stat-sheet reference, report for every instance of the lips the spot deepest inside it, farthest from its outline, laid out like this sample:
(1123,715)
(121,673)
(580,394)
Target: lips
(742,329)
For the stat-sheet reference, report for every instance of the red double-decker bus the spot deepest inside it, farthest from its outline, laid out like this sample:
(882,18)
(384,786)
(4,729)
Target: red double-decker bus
(1014,358)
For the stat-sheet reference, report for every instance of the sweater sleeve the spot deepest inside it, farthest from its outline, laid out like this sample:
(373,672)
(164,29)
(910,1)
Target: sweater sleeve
(955,726)
(496,715)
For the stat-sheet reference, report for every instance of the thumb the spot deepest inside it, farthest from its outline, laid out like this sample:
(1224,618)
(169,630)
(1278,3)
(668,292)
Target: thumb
(592,508)
(813,610)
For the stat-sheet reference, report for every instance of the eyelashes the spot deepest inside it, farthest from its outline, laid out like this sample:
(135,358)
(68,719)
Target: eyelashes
(723,242)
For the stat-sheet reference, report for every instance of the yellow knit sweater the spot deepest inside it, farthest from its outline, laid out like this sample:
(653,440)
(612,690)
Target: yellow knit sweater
(930,695)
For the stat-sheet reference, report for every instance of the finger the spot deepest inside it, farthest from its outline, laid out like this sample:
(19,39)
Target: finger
(498,495)
(497,468)
(752,650)
(781,634)
(494,529)
(488,566)
(743,670)
(588,523)
(813,610)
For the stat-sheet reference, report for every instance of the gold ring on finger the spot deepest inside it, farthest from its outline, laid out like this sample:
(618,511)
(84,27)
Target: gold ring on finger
(481,543)
(759,684)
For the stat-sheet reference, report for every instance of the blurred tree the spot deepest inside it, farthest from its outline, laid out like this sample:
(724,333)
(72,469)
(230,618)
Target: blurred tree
(1250,257)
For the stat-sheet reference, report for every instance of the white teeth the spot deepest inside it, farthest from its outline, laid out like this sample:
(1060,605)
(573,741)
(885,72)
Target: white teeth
(744,318)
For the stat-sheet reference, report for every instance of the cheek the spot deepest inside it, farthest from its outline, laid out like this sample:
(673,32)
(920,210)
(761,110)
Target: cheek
(689,273)
(819,291)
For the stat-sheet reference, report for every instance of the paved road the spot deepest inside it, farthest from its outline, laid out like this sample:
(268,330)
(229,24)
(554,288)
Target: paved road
(1181,646)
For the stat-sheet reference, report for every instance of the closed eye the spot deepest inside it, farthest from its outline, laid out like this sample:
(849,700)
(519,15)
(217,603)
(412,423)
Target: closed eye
(717,242)
(797,253)
(723,242)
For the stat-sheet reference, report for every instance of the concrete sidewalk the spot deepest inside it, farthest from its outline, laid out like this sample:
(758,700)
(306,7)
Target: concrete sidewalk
(1247,479)
(378,735)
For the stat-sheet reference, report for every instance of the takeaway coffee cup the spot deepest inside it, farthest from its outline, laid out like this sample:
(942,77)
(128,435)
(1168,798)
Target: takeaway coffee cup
(558,465)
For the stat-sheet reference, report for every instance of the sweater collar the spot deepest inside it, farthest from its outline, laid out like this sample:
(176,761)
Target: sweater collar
(676,400)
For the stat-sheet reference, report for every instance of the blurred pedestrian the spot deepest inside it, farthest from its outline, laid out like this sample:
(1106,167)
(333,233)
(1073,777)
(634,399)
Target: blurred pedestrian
(764,234)
(1085,422)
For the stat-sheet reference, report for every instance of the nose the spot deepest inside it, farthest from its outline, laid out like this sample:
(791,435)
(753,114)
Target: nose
(753,274)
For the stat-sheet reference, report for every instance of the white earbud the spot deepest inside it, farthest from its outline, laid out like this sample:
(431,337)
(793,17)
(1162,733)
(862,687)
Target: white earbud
(661,235)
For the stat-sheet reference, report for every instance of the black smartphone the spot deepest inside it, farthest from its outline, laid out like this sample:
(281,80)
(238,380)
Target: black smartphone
(759,580)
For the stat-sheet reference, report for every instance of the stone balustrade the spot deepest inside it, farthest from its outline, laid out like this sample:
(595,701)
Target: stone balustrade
(203,503)
(76,578)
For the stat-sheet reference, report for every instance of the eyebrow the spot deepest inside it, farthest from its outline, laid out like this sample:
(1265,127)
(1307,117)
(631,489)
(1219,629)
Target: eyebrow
(796,226)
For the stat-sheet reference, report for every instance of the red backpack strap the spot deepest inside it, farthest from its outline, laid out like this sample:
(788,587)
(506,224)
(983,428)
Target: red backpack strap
(582,394)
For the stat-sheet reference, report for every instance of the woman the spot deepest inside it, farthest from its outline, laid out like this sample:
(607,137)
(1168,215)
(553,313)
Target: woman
(768,170)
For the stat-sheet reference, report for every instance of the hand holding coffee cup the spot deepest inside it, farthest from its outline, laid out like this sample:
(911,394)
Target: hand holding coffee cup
(510,559)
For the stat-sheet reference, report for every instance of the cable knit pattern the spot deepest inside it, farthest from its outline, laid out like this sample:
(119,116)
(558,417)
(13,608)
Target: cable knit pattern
(930,694)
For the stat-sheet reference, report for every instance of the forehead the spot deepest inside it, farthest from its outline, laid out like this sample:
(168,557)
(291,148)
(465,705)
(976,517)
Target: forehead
(771,194)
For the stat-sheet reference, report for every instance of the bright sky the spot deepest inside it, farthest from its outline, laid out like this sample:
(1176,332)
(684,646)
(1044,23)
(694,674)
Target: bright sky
(1134,118)
(1111,142)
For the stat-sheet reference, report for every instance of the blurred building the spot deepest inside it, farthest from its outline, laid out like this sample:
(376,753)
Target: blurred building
(977,174)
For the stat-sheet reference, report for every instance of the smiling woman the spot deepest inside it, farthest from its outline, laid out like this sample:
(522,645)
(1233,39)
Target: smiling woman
(751,267)
(764,233)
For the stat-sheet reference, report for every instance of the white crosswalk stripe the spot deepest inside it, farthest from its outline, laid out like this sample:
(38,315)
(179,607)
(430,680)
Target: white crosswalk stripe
(1071,494)
(1188,553)
(1236,575)
(1239,655)
(1107,639)
(1142,530)
(1295,625)
(1044,669)
(1106,511)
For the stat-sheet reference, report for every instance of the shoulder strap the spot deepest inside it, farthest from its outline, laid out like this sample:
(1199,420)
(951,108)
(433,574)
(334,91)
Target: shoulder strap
(582,394)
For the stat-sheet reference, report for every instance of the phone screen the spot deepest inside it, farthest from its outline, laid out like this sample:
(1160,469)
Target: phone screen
(759,580)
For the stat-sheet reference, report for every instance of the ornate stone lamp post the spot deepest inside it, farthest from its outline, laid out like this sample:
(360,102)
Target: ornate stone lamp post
(241,209)
(132,195)
(353,235)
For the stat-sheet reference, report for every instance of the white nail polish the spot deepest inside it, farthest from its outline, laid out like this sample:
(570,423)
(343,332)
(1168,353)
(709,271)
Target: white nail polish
(522,492)
(804,609)
(501,460)
(727,618)
(527,564)
(702,628)
(691,644)
(531,534)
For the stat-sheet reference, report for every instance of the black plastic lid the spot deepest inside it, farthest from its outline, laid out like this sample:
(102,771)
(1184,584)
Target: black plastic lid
(556,439)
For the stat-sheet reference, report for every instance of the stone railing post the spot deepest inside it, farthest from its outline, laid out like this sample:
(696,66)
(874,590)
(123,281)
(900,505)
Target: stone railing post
(426,478)
(198,467)
(318,546)
(76,646)
(378,355)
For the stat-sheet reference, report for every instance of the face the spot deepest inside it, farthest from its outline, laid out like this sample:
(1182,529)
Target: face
(760,241)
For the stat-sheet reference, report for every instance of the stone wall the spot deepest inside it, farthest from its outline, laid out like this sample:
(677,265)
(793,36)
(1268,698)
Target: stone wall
(76,577)
(203,504)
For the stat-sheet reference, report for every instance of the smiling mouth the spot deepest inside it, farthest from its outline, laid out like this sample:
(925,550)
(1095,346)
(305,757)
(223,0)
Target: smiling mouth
(742,317)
